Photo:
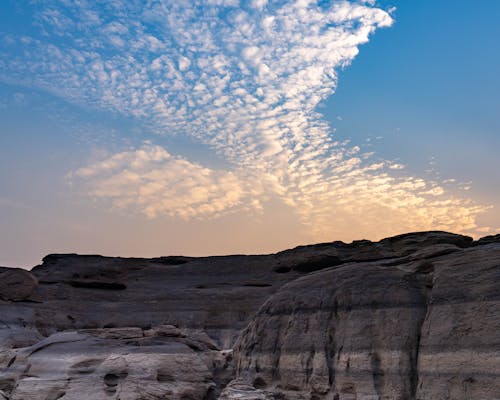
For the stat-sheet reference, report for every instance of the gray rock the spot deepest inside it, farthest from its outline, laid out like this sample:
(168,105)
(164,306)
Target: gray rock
(307,259)
(415,316)
(241,390)
(213,294)
(459,349)
(16,284)
(371,331)
(74,366)
(487,240)
(350,330)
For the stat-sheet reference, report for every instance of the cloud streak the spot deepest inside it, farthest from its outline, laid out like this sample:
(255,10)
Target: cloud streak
(244,78)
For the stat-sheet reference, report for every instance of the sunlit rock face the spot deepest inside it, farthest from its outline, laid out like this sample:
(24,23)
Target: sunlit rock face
(415,316)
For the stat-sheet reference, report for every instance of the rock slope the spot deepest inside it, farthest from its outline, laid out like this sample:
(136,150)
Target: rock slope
(415,316)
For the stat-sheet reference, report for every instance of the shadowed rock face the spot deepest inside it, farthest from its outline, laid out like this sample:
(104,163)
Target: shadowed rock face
(16,284)
(415,316)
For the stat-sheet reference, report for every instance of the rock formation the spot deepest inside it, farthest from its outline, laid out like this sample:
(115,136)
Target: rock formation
(416,316)
(16,284)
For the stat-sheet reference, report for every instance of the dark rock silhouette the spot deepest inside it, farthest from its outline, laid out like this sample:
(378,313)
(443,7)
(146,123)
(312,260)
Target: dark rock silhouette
(414,316)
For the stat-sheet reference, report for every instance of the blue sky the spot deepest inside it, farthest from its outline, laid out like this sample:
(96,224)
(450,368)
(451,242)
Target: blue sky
(142,129)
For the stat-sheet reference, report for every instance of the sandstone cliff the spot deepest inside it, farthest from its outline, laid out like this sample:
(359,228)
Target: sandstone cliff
(415,316)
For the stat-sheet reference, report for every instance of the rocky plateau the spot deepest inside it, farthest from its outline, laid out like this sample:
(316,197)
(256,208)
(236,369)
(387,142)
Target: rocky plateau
(415,316)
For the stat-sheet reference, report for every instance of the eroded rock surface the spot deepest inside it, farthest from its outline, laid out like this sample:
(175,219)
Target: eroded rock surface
(16,284)
(104,364)
(415,316)
(424,329)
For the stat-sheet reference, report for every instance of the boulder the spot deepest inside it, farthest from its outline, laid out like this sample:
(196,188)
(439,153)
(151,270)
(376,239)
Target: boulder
(16,284)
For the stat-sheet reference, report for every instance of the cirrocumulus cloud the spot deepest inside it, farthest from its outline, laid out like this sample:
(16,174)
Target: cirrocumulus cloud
(244,78)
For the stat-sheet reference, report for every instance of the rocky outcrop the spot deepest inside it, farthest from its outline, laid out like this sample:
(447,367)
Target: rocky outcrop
(240,389)
(16,284)
(216,294)
(423,329)
(316,257)
(415,316)
(126,363)
(357,333)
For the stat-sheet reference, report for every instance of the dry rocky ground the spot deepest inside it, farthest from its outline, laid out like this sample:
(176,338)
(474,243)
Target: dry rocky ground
(415,316)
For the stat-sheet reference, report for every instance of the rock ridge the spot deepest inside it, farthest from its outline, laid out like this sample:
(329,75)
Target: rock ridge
(415,316)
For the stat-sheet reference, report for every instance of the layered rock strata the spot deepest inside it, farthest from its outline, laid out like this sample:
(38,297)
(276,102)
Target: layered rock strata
(415,316)
(424,329)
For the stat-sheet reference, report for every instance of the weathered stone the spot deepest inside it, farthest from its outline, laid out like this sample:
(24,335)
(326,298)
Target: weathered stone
(168,331)
(459,349)
(116,333)
(412,317)
(307,259)
(77,366)
(487,240)
(16,284)
(210,294)
(410,331)
(241,390)
(342,331)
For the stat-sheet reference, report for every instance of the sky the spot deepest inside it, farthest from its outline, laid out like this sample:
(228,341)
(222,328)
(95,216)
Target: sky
(160,127)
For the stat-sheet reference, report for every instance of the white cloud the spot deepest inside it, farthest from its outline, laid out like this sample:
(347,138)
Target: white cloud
(184,63)
(153,182)
(396,166)
(244,78)
(258,4)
